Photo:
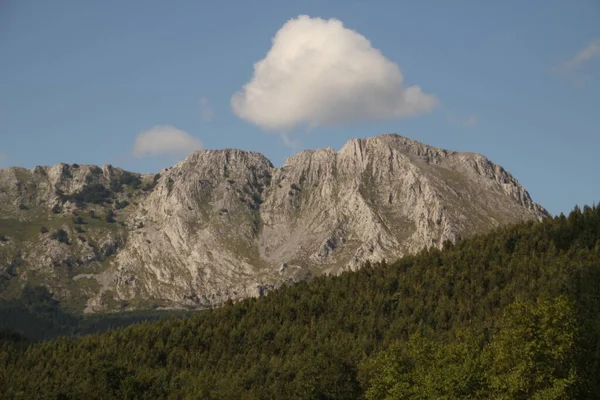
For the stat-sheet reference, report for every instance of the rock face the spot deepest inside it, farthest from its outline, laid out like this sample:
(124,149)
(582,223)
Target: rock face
(226,224)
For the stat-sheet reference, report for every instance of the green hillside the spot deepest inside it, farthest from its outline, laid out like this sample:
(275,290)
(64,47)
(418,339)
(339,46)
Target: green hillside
(513,314)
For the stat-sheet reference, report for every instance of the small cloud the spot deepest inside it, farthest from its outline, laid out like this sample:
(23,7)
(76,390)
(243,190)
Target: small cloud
(463,123)
(206,111)
(318,72)
(165,140)
(592,50)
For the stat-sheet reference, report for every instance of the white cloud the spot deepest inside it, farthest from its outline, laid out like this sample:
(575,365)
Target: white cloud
(318,72)
(165,140)
(206,110)
(589,52)
(463,123)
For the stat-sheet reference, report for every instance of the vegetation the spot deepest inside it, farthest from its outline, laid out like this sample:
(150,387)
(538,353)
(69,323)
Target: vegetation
(149,186)
(94,193)
(35,315)
(60,235)
(129,179)
(533,356)
(508,315)
(121,204)
(110,216)
(256,199)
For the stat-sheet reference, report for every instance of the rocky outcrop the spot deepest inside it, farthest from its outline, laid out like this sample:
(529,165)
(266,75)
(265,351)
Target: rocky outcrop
(227,224)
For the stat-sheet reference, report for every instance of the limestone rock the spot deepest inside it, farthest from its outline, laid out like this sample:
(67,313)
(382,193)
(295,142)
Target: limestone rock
(227,224)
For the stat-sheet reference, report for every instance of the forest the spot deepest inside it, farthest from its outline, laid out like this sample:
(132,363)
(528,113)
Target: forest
(513,314)
(37,316)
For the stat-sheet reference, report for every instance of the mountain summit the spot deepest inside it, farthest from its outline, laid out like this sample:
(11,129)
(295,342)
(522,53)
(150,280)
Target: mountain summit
(227,224)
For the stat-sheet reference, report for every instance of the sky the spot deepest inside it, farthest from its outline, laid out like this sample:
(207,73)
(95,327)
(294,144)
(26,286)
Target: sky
(141,84)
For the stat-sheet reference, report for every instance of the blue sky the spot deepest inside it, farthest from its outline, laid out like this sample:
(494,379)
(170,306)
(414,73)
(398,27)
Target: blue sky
(516,81)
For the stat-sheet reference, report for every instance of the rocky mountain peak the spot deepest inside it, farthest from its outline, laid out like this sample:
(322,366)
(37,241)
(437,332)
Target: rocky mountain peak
(228,224)
(394,144)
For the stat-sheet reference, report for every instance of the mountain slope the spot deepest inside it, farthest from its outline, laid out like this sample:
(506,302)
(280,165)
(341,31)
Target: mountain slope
(227,224)
(314,340)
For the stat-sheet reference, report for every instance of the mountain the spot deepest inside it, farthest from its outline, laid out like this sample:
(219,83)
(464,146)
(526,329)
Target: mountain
(227,224)
(512,314)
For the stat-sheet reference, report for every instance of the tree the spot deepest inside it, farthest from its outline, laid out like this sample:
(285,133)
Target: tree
(426,369)
(110,216)
(533,356)
(60,235)
(121,204)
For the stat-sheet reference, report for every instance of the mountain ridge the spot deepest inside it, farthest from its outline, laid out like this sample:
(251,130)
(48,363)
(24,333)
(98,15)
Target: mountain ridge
(226,223)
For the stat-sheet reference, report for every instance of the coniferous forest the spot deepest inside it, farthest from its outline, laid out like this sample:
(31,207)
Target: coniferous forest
(514,314)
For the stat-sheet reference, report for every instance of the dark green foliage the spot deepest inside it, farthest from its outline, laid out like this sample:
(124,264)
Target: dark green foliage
(23,207)
(60,235)
(121,204)
(422,368)
(110,216)
(126,178)
(78,220)
(43,230)
(3,238)
(11,269)
(533,356)
(11,338)
(78,229)
(257,199)
(36,315)
(130,179)
(92,214)
(170,183)
(94,193)
(449,323)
